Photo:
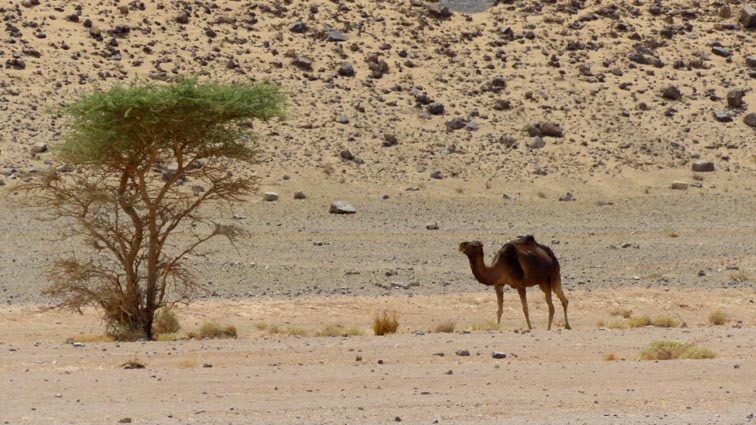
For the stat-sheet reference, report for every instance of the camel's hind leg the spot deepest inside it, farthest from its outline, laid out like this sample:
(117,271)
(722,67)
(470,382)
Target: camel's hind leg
(556,286)
(547,293)
(500,300)
(524,301)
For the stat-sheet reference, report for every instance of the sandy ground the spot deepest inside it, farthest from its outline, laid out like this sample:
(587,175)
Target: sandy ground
(553,376)
(626,242)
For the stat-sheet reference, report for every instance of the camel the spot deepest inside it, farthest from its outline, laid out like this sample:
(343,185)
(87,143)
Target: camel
(520,263)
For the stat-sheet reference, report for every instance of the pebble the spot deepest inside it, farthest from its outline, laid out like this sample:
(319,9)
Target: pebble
(462,353)
(270,196)
(750,119)
(499,355)
(437,175)
(722,116)
(433,225)
(702,166)
(299,195)
(679,185)
(342,207)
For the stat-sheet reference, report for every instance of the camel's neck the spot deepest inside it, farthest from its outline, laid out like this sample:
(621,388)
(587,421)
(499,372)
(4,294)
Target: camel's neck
(480,270)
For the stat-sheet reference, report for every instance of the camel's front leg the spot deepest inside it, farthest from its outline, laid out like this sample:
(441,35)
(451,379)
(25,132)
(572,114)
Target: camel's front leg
(524,301)
(500,300)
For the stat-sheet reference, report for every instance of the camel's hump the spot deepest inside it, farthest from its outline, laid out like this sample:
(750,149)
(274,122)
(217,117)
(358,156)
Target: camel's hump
(525,240)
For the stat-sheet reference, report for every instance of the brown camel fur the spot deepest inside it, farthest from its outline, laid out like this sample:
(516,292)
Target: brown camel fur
(520,263)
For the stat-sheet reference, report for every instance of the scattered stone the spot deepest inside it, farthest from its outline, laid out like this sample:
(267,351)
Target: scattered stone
(702,166)
(567,197)
(437,175)
(502,105)
(751,61)
(439,11)
(750,119)
(39,147)
(183,18)
(679,186)
(721,51)
(433,225)
(536,143)
(455,123)
(722,116)
(735,98)
(299,195)
(16,64)
(337,36)
(347,155)
(462,353)
(672,93)
(551,130)
(748,16)
(346,70)
(78,344)
(498,355)
(510,197)
(298,27)
(270,196)
(2,182)
(342,207)
(436,108)
(125,421)
(342,119)
(302,62)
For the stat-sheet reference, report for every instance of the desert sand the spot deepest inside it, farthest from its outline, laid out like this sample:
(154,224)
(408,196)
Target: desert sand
(476,124)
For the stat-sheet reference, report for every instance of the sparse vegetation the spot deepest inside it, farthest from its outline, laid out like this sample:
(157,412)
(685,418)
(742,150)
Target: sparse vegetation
(665,322)
(740,277)
(386,323)
(670,232)
(165,322)
(671,350)
(611,357)
(718,318)
(340,330)
(445,327)
(297,331)
(488,325)
(638,321)
(133,147)
(261,326)
(213,330)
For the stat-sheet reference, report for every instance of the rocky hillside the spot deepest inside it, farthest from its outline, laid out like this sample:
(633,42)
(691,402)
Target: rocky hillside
(405,88)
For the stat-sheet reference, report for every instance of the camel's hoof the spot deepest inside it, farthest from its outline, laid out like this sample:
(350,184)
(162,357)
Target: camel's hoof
(568,327)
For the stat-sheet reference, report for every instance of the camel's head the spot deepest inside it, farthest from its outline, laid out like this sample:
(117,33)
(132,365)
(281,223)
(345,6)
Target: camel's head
(471,248)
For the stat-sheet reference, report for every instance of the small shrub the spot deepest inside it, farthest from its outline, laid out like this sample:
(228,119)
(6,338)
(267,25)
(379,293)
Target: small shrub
(623,312)
(665,322)
(186,364)
(331,330)
(297,331)
(488,325)
(445,327)
(165,322)
(212,330)
(718,318)
(355,331)
(617,324)
(541,195)
(261,326)
(273,330)
(611,357)
(639,321)
(740,277)
(386,323)
(671,350)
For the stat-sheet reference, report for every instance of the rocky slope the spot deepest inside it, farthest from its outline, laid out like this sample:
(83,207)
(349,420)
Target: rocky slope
(394,89)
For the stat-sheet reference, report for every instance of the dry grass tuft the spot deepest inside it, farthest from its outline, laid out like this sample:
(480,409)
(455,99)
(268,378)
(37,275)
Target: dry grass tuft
(611,357)
(165,322)
(665,322)
(186,364)
(671,350)
(386,323)
(740,277)
(340,330)
(488,325)
(718,318)
(638,321)
(212,330)
(445,327)
(297,331)
(261,326)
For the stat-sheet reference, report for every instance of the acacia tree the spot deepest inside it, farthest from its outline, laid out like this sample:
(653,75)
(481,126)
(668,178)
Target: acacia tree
(147,157)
